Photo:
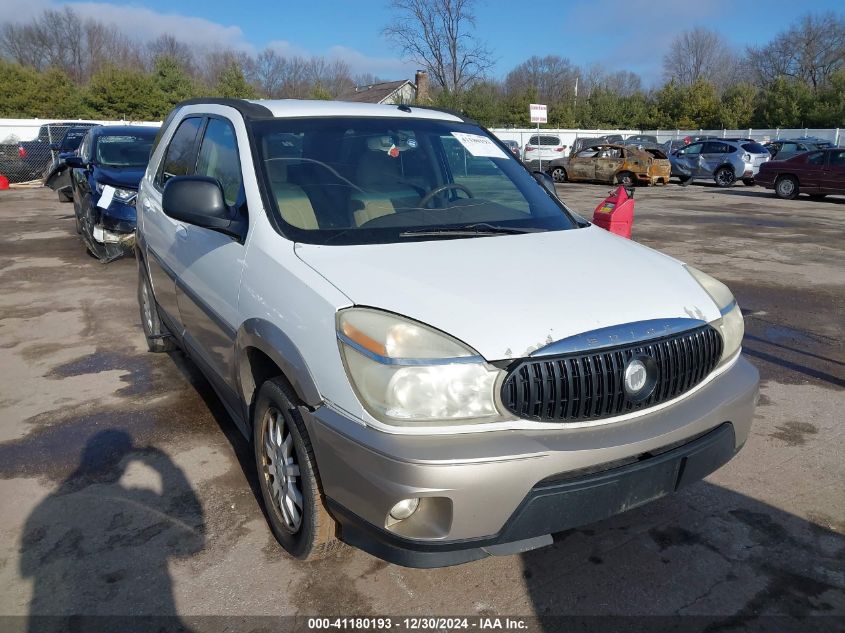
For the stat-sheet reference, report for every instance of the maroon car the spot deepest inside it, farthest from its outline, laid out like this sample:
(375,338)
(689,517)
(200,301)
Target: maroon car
(818,173)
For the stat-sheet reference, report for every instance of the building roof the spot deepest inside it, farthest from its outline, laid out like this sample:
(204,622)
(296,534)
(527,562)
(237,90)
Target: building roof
(373,93)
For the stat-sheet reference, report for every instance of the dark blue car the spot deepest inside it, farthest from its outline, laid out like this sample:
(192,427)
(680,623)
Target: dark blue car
(109,164)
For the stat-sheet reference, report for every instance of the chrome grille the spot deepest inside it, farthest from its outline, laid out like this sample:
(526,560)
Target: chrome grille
(588,385)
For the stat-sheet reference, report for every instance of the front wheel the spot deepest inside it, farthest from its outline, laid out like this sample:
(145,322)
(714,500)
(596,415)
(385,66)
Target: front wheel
(558,174)
(724,177)
(626,179)
(287,476)
(786,187)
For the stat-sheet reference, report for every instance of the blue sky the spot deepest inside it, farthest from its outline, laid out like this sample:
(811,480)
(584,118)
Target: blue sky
(618,34)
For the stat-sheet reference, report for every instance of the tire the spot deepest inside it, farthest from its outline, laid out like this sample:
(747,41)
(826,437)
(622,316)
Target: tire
(63,197)
(626,179)
(724,177)
(158,338)
(304,529)
(685,181)
(748,182)
(558,174)
(786,187)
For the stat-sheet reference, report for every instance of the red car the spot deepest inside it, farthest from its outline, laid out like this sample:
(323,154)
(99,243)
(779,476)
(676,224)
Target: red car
(818,173)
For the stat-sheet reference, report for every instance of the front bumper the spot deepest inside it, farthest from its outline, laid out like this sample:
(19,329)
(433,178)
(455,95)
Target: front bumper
(507,491)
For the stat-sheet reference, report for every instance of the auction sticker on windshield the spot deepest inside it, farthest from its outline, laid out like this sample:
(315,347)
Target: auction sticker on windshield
(478,145)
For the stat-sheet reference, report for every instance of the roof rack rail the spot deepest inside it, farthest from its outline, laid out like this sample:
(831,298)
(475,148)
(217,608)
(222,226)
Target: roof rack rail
(248,109)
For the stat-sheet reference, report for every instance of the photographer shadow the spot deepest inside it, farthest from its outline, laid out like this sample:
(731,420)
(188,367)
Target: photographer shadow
(100,546)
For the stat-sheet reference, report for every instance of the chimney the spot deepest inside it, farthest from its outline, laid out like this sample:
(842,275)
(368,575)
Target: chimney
(421,79)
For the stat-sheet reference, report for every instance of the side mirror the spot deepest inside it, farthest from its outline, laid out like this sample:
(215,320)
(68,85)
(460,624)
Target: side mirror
(544,179)
(198,200)
(75,161)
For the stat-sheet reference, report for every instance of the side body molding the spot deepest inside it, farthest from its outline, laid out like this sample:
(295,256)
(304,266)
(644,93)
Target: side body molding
(269,339)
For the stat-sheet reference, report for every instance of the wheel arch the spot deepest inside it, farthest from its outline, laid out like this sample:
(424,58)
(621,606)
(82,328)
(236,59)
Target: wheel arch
(263,351)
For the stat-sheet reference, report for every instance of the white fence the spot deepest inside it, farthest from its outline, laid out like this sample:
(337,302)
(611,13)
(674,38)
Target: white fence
(14,130)
(568,136)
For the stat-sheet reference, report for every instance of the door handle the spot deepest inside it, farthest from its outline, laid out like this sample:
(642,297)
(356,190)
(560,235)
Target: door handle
(181,232)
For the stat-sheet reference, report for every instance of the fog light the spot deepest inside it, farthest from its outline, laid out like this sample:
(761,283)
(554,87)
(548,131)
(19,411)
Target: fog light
(404,508)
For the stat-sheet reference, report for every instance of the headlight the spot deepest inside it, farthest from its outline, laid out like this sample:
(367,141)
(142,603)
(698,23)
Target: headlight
(405,372)
(731,324)
(125,195)
(121,195)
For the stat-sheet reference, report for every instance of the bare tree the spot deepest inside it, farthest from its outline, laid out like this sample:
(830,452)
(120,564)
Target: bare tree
(552,78)
(166,45)
(700,54)
(437,34)
(811,50)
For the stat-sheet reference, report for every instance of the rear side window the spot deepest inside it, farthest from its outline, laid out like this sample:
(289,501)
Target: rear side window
(754,148)
(837,158)
(816,158)
(713,147)
(545,140)
(178,160)
(218,158)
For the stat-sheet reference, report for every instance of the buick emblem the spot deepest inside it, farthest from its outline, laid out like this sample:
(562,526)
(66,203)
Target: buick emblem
(636,376)
(639,377)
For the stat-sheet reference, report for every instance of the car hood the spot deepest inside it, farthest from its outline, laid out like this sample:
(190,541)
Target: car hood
(506,296)
(128,177)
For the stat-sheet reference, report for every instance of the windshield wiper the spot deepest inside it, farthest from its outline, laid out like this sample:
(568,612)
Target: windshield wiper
(479,229)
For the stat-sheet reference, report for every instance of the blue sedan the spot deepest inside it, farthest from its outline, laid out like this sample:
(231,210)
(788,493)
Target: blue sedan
(109,164)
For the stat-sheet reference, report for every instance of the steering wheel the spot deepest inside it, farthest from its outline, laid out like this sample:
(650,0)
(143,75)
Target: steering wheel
(452,185)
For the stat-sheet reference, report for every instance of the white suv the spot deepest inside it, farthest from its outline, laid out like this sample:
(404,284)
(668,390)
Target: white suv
(545,148)
(410,328)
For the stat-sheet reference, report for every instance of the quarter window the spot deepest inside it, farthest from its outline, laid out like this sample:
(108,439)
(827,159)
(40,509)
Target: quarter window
(837,158)
(218,158)
(178,158)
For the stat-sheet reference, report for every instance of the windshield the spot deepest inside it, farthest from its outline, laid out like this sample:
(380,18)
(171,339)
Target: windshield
(380,180)
(125,150)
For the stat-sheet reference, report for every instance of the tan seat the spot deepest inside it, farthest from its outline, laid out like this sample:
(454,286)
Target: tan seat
(295,206)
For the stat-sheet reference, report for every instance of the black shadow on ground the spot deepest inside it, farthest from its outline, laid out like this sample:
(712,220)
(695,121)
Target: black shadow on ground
(98,542)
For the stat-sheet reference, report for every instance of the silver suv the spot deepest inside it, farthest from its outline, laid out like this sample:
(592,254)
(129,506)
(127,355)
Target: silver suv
(724,161)
(360,284)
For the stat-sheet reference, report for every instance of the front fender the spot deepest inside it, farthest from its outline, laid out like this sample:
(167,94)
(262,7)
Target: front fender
(270,340)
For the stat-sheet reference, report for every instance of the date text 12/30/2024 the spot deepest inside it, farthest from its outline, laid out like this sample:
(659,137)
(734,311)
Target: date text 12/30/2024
(417,623)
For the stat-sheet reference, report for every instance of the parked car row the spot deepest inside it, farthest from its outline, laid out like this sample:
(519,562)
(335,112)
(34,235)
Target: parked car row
(101,179)
(22,161)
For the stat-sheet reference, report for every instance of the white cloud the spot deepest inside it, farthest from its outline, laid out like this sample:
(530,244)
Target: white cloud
(146,24)
(139,22)
(385,67)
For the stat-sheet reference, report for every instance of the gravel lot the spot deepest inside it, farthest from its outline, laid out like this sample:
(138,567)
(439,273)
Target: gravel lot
(124,488)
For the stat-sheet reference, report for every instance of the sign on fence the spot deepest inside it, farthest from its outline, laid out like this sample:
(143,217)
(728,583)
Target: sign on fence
(538,112)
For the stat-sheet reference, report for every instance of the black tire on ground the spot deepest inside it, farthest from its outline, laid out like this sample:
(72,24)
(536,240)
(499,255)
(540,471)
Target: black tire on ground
(724,177)
(748,181)
(558,174)
(786,187)
(818,196)
(626,178)
(303,528)
(685,181)
(63,197)
(155,332)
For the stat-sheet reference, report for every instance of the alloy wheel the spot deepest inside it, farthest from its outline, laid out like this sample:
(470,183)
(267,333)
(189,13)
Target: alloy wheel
(281,470)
